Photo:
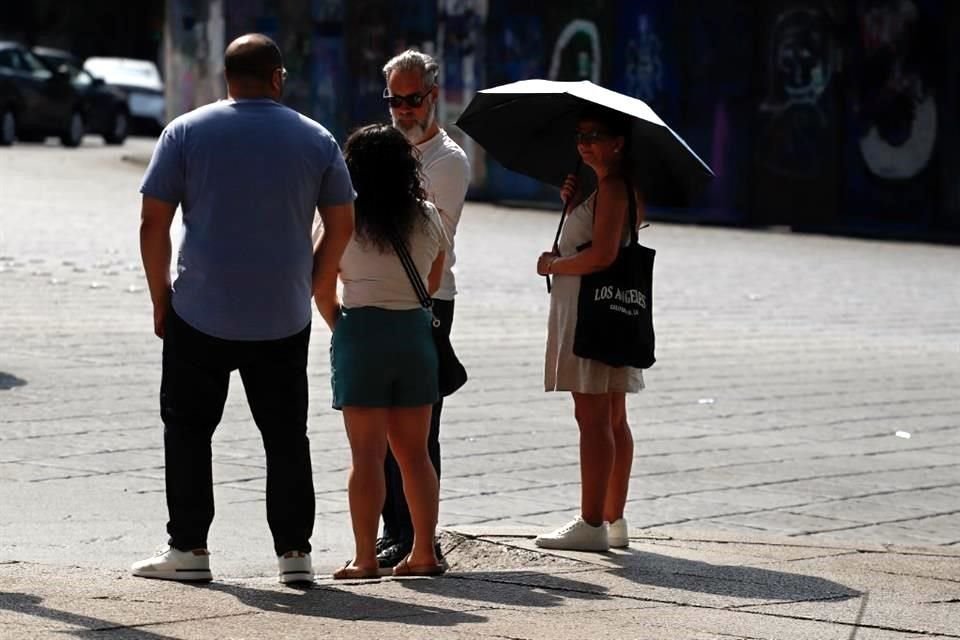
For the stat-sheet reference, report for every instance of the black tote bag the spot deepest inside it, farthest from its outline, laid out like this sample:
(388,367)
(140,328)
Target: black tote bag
(615,306)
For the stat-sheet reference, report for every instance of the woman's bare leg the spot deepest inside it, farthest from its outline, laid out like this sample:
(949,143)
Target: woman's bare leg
(366,488)
(592,411)
(619,481)
(407,432)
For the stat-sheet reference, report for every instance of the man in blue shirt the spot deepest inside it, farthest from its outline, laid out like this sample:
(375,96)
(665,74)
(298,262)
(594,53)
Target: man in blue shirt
(248,174)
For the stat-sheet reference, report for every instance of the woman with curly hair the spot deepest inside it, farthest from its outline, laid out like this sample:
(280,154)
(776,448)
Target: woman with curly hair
(382,355)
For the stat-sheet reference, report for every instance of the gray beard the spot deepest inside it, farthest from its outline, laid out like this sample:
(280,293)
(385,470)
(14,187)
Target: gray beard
(415,132)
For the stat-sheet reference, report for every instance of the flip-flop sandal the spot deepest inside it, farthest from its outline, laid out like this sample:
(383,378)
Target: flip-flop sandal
(355,573)
(404,568)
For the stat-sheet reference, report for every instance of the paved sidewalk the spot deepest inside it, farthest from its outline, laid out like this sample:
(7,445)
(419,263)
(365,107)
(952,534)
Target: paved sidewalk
(500,586)
(806,389)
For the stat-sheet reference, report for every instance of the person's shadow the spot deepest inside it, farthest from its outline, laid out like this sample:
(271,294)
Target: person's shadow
(516,588)
(733,581)
(343,604)
(31,605)
(532,588)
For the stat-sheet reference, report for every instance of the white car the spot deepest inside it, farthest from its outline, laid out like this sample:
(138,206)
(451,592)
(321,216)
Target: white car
(141,81)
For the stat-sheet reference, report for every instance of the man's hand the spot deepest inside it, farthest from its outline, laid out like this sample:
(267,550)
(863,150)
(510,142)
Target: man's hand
(337,231)
(156,216)
(160,312)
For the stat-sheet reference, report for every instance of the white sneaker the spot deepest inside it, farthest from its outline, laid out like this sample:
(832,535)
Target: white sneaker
(577,535)
(619,534)
(295,566)
(173,564)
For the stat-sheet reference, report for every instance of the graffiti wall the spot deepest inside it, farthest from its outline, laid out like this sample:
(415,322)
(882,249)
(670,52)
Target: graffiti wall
(894,113)
(461,47)
(819,114)
(375,31)
(796,151)
(717,102)
(564,43)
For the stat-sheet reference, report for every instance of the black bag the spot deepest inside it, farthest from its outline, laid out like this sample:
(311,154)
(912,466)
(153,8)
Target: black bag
(450,371)
(615,306)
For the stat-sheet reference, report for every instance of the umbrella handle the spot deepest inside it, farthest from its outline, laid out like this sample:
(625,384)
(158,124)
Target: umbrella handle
(563,215)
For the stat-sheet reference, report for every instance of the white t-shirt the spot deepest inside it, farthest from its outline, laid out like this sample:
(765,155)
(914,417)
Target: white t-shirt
(446,176)
(374,279)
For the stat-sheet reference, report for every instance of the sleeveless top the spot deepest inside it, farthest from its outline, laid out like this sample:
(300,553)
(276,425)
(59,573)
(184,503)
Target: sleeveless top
(564,371)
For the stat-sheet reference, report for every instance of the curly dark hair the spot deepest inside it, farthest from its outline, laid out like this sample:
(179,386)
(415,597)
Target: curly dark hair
(385,169)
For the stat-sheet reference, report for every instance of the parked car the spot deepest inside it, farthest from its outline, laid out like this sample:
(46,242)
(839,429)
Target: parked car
(141,81)
(35,101)
(104,107)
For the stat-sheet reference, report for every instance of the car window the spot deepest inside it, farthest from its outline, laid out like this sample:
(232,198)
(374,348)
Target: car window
(32,64)
(78,77)
(9,59)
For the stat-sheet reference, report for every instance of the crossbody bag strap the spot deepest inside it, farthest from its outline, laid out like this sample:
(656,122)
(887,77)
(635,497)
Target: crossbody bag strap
(423,296)
(632,212)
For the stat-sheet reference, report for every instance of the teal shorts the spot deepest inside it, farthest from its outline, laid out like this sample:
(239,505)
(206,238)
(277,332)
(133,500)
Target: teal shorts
(383,358)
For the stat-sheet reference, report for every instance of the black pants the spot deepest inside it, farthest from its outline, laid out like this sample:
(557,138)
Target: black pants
(193,391)
(396,515)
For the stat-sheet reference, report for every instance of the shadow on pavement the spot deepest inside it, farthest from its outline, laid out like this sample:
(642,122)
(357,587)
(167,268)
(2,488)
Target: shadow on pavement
(520,588)
(342,604)
(735,581)
(9,381)
(31,605)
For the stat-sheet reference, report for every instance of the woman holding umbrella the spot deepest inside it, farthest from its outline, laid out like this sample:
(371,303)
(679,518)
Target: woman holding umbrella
(590,239)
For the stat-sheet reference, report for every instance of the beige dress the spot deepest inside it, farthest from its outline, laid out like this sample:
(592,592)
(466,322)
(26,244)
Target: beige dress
(563,370)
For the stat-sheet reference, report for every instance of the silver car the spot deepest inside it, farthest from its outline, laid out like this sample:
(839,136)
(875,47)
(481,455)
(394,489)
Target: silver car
(141,81)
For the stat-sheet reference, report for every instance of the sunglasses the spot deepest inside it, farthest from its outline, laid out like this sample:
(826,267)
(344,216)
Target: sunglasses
(414,100)
(590,137)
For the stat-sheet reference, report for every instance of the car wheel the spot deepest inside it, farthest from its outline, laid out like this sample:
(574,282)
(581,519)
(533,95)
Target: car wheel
(73,136)
(8,128)
(118,128)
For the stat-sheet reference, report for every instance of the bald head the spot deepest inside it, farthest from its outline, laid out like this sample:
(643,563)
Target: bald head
(252,57)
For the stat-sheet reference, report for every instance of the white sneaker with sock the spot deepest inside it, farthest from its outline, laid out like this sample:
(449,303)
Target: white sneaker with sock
(295,566)
(576,535)
(618,534)
(173,564)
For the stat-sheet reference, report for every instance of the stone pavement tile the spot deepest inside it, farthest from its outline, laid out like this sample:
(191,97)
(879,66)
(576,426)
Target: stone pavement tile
(33,472)
(499,506)
(883,602)
(882,534)
(101,462)
(945,523)
(743,551)
(477,508)
(877,509)
(486,484)
(785,522)
(723,623)
(666,511)
(757,499)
